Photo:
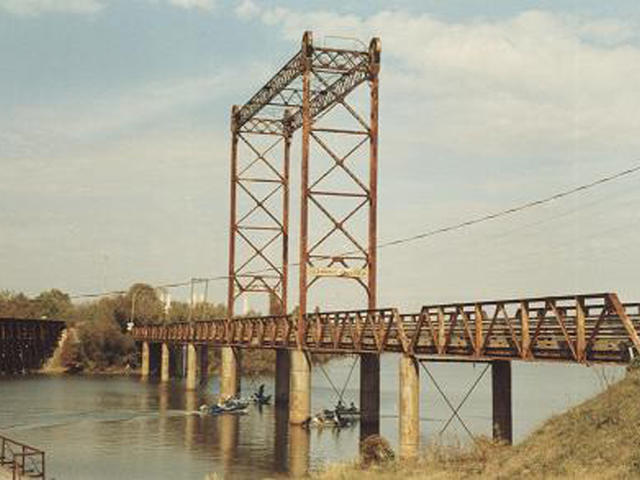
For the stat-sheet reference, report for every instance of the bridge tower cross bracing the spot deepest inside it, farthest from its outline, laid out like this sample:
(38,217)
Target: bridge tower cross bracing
(309,93)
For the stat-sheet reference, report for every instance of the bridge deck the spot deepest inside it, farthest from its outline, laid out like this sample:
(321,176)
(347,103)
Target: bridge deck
(578,328)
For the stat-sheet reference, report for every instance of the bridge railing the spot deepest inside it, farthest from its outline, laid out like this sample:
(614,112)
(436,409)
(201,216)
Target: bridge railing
(353,330)
(579,328)
(21,460)
(582,328)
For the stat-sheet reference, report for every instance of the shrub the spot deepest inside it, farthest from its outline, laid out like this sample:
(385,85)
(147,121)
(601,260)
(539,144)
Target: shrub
(375,450)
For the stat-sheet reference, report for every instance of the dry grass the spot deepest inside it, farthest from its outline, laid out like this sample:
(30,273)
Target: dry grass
(599,439)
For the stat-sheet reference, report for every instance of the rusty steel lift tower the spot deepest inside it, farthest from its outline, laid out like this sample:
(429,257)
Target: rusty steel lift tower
(309,93)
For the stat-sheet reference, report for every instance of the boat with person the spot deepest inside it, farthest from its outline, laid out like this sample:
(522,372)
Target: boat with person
(328,419)
(231,405)
(341,409)
(259,398)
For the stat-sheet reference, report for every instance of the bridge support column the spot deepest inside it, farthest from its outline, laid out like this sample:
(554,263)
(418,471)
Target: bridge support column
(204,364)
(501,387)
(369,395)
(283,373)
(230,372)
(300,387)
(164,363)
(192,367)
(144,371)
(409,407)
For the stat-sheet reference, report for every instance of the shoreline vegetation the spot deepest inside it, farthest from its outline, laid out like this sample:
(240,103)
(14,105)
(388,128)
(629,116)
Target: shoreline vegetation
(598,439)
(96,339)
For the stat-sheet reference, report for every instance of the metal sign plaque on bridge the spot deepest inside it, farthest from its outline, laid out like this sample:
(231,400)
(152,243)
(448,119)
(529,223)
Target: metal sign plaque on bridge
(338,272)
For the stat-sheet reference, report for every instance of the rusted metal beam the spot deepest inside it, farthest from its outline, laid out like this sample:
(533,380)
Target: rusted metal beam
(607,328)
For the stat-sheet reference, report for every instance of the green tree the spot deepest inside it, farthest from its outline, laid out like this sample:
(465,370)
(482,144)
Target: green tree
(144,305)
(53,304)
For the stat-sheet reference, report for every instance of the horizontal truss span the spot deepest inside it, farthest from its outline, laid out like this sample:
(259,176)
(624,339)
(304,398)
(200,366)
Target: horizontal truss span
(594,328)
(349,67)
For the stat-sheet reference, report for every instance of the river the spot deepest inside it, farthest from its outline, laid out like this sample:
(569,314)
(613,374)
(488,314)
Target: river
(110,427)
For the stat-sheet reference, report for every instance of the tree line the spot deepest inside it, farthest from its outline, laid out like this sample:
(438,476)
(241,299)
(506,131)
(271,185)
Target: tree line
(100,340)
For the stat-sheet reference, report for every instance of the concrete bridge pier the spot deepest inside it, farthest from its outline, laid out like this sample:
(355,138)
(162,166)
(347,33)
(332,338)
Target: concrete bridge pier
(283,374)
(299,387)
(369,395)
(501,400)
(230,372)
(150,359)
(203,354)
(164,363)
(409,407)
(144,370)
(176,361)
(192,367)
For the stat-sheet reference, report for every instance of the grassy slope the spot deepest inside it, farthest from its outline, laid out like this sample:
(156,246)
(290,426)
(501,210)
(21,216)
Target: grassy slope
(598,439)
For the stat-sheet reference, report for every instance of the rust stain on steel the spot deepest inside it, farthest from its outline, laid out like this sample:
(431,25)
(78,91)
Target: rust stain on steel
(607,328)
(314,81)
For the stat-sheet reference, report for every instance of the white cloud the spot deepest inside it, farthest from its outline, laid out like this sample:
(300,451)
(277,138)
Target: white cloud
(247,9)
(52,129)
(538,82)
(201,4)
(35,7)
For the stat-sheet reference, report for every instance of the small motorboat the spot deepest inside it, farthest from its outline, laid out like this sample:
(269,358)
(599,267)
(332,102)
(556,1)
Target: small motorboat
(232,405)
(350,412)
(328,419)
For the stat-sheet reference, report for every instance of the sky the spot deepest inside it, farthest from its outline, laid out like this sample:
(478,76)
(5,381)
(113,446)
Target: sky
(114,140)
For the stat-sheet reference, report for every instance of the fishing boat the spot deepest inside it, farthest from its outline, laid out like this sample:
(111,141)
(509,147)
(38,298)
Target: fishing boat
(232,405)
(328,419)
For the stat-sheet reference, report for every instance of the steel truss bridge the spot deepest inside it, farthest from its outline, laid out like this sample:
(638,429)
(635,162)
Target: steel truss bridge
(595,328)
(25,344)
(331,95)
(316,92)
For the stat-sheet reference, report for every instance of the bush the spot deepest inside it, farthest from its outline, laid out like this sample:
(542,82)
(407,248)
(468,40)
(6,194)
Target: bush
(375,450)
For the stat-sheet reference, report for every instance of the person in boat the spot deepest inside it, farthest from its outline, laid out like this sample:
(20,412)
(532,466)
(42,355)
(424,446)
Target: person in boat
(260,398)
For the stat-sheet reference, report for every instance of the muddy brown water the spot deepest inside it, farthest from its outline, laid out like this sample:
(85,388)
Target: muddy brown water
(103,427)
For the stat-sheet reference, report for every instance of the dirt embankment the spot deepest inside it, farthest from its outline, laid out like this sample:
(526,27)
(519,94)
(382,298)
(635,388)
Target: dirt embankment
(55,363)
(599,439)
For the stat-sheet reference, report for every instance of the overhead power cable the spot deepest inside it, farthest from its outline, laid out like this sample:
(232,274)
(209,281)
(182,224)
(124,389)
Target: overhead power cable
(510,211)
(420,236)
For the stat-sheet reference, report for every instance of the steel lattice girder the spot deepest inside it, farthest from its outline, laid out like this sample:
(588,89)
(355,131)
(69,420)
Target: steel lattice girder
(262,181)
(353,67)
(278,109)
(328,76)
(593,328)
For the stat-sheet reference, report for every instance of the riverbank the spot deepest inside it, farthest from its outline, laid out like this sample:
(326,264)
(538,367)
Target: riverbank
(255,362)
(598,439)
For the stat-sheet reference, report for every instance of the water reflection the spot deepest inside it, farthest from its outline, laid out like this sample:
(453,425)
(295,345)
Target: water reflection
(281,436)
(108,419)
(299,444)
(228,441)
(191,422)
